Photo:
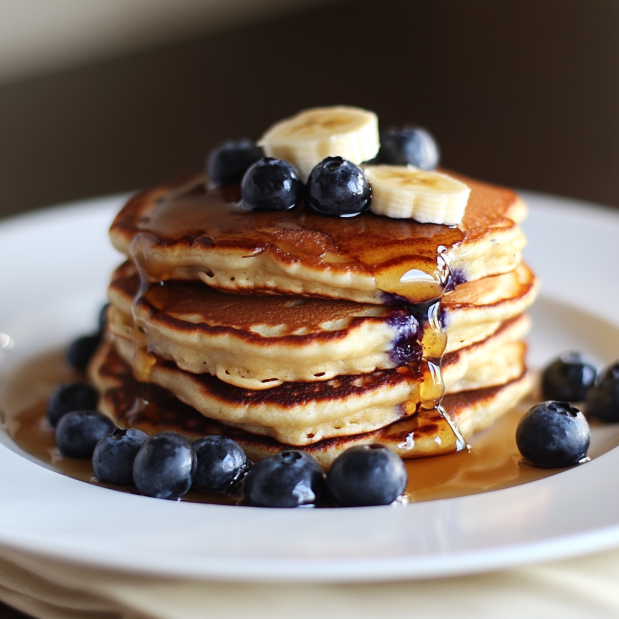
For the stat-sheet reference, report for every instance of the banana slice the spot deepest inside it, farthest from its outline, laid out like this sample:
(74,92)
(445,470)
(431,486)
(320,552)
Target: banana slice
(307,138)
(404,192)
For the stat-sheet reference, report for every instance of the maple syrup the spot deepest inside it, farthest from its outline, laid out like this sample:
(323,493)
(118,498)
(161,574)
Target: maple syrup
(493,461)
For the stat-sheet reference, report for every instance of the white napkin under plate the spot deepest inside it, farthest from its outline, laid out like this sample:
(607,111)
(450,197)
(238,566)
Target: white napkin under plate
(586,587)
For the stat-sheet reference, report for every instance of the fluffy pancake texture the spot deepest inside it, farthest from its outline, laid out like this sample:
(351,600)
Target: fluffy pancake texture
(302,413)
(259,342)
(475,310)
(292,329)
(427,433)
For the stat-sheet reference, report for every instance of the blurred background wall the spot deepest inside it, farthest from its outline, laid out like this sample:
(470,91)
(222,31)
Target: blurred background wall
(102,96)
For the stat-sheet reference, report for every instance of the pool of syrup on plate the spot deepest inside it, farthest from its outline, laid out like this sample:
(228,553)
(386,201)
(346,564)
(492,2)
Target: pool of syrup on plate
(493,462)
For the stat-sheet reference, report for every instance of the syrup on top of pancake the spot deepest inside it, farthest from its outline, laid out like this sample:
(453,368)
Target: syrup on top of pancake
(406,258)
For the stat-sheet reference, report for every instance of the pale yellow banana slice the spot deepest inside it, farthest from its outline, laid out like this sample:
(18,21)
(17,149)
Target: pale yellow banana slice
(307,138)
(404,192)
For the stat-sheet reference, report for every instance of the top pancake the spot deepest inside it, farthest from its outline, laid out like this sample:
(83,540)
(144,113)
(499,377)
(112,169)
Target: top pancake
(186,232)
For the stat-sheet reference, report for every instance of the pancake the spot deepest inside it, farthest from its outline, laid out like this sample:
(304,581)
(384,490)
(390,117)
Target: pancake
(427,433)
(300,413)
(475,310)
(499,359)
(185,232)
(258,342)
(295,413)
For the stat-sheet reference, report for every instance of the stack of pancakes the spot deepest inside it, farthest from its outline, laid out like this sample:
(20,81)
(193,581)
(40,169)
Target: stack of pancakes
(290,329)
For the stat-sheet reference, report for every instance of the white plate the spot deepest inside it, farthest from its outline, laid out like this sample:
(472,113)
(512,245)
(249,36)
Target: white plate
(54,267)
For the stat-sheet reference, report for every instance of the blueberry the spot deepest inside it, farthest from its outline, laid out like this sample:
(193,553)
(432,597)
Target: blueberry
(112,459)
(408,145)
(568,378)
(164,466)
(103,317)
(366,475)
(405,345)
(553,434)
(338,187)
(287,479)
(79,432)
(227,163)
(74,396)
(271,184)
(221,463)
(81,350)
(603,398)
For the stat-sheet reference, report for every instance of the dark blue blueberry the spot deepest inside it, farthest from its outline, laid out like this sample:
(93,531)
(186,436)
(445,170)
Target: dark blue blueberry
(389,298)
(81,350)
(74,396)
(103,317)
(164,466)
(227,163)
(112,460)
(272,185)
(456,277)
(79,432)
(408,145)
(406,347)
(553,434)
(221,463)
(568,378)
(603,398)
(338,187)
(366,475)
(287,479)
